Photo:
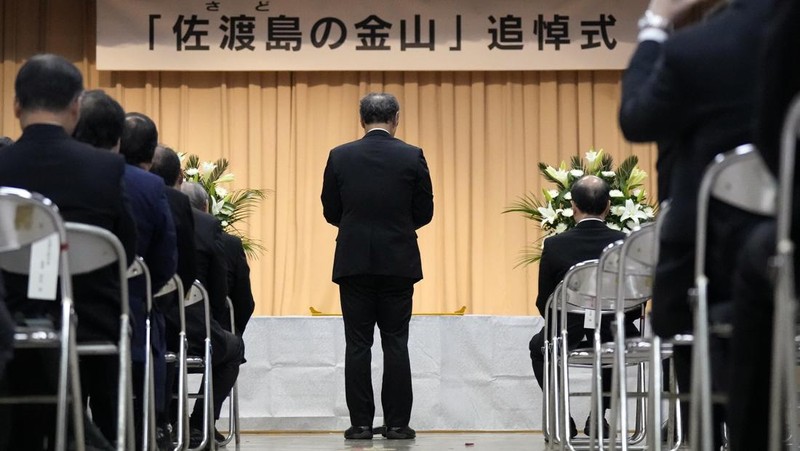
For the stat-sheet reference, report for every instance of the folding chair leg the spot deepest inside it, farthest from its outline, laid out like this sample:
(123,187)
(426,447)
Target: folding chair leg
(233,416)
(654,404)
(75,388)
(148,433)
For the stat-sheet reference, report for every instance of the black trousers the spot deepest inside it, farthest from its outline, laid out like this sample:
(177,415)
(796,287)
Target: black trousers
(576,335)
(227,352)
(751,344)
(385,301)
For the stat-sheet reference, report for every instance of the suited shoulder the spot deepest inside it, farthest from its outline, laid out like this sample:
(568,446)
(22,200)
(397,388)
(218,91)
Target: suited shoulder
(145,179)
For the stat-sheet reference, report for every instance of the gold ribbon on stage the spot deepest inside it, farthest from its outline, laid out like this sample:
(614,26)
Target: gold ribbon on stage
(459,312)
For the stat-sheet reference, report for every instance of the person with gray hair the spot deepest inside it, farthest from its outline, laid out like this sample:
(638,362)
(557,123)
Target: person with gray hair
(212,272)
(377,191)
(198,196)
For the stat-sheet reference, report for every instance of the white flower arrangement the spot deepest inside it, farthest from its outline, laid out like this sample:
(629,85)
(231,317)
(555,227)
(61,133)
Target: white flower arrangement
(553,212)
(229,206)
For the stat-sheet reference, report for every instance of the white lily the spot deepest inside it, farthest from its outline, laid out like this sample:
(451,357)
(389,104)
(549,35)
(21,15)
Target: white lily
(576,173)
(221,192)
(567,212)
(611,174)
(560,228)
(216,206)
(191,172)
(206,168)
(591,156)
(611,225)
(637,177)
(549,215)
(568,196)
(616,193)
(632,211)
(558,174)
(553,193)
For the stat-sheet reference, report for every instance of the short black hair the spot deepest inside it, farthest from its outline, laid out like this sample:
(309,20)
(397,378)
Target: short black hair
(590,194)
(166,164)
(139,139)
(378,108)
(47,82)
(101,120)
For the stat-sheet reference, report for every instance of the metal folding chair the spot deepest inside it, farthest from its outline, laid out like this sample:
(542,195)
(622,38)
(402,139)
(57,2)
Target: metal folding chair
(27,219)
(587,287)
(92,248)
(634,270)
(738,178)
(784,348)
(202,364)
(139,269)
(233,399)
(175,285)
(549,413)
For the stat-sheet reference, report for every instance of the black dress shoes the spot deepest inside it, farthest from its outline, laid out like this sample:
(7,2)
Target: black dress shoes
(400,433)
(588,427)
(358,433)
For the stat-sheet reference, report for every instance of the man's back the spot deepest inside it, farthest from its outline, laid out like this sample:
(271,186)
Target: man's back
(86,185)
(378,192)
(585,241)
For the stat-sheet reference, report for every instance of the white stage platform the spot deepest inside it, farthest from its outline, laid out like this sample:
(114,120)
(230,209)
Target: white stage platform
(470,373)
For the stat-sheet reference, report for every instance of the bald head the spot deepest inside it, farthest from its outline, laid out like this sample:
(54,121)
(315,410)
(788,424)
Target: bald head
(590,195)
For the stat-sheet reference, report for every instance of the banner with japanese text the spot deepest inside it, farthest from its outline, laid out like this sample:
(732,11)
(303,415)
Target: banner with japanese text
(386,35)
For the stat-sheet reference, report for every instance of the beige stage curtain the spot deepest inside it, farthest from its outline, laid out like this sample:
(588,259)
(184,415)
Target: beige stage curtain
(483,134)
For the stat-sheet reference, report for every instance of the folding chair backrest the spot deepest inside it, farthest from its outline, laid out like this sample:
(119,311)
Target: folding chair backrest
(26,218)
(579,288)
(92,248)
(197,294)
(738,178)
(742,180)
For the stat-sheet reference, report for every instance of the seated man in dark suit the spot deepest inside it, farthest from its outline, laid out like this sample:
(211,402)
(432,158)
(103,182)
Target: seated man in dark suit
(238,282)
(228,349)
(104,125)
(87,185)
(586,241)
(167,165)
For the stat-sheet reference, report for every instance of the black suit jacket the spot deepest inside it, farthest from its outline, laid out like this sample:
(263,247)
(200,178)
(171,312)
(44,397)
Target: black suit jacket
(183,218)
(585,241)
(378,191)
(87,185)
(696,92)
(212,270)
(238,282)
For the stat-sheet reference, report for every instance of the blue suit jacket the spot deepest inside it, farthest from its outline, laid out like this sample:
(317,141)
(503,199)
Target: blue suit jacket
(156,243)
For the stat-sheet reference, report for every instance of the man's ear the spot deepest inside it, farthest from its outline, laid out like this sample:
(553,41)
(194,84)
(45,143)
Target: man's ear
(608,207)
(17,108)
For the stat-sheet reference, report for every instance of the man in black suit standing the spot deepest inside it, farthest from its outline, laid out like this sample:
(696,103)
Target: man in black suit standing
(377,191)
(586,241)
(694,88)
(87,185)
(750,369)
